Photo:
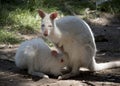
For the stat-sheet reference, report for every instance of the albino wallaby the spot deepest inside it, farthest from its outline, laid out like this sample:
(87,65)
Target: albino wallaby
(39,59)
(76,38)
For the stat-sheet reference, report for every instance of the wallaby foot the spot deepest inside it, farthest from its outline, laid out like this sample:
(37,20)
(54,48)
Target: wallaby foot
(40,74)
(68,75)
(66,70)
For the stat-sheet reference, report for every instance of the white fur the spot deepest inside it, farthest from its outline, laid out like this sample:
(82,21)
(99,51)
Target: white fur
(78,41)
(35,56)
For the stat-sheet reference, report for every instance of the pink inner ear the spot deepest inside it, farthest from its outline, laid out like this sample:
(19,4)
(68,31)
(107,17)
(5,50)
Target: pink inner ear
(54,53)
(53,15)
(41,13)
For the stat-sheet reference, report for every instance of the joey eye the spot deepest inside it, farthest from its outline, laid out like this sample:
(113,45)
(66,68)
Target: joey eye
(43,25)
(49,25)
(61,60)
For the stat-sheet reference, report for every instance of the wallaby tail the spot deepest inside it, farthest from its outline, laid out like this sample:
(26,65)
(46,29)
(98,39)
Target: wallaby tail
(107,65)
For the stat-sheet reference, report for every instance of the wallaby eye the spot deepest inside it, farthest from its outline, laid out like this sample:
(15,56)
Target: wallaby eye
(49,25)
(43,25)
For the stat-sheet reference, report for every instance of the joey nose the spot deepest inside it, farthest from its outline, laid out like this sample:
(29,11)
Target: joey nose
(46,33)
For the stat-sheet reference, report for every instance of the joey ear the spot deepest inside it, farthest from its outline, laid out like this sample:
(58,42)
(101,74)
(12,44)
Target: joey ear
(53,15)
(41,13)
(54,53)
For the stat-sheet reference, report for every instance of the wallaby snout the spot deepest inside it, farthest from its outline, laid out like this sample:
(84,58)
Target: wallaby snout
(45,33)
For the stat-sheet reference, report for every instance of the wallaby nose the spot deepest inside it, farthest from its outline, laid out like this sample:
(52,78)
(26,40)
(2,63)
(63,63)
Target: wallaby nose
(46,33)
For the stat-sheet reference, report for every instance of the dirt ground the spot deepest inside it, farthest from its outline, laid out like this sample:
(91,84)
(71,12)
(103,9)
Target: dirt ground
(108,50)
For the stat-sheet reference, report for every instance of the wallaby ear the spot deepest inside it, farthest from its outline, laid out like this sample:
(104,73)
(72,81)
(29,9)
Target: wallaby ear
(53,15)
(54,53)
(41,13)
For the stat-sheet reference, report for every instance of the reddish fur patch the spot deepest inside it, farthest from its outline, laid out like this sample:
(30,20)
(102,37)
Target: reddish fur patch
(41,13)
(54,53)
(53,15)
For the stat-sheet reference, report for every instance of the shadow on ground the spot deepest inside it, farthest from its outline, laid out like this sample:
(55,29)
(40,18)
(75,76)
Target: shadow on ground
(10,75)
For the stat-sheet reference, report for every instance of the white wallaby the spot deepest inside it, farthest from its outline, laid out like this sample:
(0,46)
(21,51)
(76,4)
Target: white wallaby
(76,38)
(39,59)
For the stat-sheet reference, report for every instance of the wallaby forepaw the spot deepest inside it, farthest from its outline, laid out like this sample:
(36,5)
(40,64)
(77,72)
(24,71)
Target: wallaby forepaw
(60,78)
(46,76)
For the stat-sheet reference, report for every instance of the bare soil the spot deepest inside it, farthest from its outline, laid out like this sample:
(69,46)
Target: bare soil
(108,50)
